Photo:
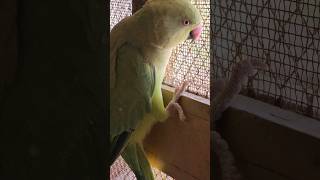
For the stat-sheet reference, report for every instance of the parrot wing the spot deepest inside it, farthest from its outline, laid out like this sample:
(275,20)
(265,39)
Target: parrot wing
(117,39)
(131,96)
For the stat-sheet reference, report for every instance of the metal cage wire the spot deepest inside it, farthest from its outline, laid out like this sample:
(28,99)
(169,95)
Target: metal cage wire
(121,171)
(119,10)
(282,33)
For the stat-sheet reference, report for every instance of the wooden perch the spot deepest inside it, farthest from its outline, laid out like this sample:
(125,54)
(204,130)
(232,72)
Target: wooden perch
(182,149)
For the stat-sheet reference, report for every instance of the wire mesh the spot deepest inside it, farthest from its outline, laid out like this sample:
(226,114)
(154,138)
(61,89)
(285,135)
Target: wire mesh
(121,171)
(282,33)
(191,61)
(119,10)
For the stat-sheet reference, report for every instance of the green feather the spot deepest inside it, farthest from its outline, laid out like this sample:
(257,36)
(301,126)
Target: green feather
(131,96)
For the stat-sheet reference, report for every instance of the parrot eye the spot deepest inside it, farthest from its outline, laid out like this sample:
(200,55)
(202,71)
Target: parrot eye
(186,22)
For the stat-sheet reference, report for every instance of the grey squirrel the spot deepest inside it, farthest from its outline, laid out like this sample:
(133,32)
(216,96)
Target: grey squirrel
(223,92)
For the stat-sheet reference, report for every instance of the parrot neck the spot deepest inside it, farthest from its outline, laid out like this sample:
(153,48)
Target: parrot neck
(147,38)
(157,56)
(146,29)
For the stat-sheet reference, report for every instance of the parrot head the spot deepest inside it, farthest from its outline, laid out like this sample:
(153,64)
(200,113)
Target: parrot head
(172,22)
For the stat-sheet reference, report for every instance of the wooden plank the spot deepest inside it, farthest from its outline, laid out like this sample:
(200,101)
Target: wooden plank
(271,142)
(277,115)
(259,173)
(182,149)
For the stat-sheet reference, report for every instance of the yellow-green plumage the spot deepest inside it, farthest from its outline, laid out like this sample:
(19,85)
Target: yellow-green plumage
(158,112)
(141,46)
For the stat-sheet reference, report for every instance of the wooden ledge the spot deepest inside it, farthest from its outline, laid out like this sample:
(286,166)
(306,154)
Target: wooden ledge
(182,149)
(271,143)
(278,116)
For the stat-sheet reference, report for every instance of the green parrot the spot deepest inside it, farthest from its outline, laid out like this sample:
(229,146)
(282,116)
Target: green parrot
(141,46)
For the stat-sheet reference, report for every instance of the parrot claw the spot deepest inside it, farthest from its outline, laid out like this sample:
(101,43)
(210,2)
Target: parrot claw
(179,90)
(174,102)
(182,117)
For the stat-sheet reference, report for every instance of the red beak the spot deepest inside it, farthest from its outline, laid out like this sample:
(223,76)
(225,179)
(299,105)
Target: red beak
(196,32)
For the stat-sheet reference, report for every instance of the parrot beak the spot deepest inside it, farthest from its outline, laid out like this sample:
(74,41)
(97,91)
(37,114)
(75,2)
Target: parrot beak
(195,33)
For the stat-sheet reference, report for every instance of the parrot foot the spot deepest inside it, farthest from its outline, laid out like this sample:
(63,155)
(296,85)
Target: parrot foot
(173,104)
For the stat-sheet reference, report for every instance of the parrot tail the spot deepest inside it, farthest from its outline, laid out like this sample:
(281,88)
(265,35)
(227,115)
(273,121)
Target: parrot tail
(117,146)
(136,159)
